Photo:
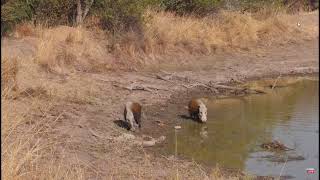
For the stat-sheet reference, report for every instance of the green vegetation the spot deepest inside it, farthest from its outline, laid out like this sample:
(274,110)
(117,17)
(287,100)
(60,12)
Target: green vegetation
(198,7)
(118,15)
(121,14)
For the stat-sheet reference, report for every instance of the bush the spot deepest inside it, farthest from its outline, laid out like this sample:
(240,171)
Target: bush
(198,7)
(54,12)
(51,12)
(114,14)
(256,5)
(13,12)
(121,15)
(124,15)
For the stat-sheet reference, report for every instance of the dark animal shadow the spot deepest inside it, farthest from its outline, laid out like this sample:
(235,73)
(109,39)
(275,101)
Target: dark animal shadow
(188,118)
(122,124)
(185,117)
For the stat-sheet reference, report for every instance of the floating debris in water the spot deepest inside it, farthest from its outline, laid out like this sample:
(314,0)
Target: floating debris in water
(275,145)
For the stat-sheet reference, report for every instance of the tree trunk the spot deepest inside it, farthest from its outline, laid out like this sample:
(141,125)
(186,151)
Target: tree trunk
(82,15)
(87,9)
(79,13)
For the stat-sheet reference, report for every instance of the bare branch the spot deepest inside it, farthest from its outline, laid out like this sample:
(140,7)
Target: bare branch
(87,9)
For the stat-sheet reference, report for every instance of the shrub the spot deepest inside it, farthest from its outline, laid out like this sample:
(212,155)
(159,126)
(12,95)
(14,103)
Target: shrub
(13,12)
(121,15)
(125,15)
(198,7)
(51,12)
(257,5)
(54,12)
(114,14)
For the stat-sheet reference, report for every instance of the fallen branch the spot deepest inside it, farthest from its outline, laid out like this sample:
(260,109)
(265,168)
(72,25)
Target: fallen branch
(164,78)
(204,85)
(236,80)
(133,87)
(228,87)
(169,80)
(237,88)
(140,87)
(157,88)
(212,86)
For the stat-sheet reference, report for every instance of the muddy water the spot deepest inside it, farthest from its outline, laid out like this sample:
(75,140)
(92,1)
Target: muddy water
(237,127)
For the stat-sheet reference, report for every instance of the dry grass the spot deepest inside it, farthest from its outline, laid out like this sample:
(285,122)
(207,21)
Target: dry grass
(66,49)
(167,33)
(24,29)
(25,148)
(27,29)
(9,71)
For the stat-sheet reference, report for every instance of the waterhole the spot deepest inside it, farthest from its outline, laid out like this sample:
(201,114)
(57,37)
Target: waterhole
(237,127)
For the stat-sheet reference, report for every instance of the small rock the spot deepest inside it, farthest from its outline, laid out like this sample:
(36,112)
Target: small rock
(177,127)
(148,143)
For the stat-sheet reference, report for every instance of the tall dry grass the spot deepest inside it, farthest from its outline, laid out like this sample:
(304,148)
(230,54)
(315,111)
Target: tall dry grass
(9,71)
(67,49)
(25,153)
(167,33)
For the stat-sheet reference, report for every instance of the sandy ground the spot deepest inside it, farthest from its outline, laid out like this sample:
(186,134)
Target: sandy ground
(88,133)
